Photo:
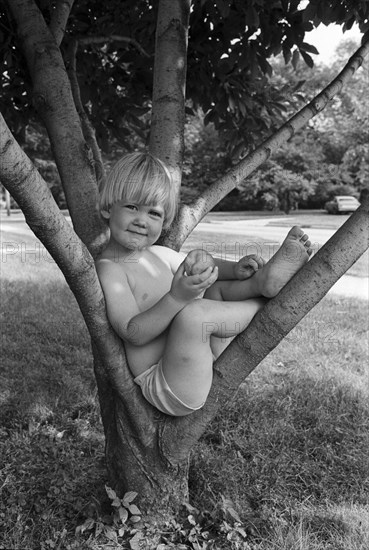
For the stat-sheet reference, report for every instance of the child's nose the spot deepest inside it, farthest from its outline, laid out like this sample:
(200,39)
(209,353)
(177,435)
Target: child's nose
(140,219)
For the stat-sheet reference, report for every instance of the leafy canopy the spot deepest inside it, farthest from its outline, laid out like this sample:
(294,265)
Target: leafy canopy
(231,43)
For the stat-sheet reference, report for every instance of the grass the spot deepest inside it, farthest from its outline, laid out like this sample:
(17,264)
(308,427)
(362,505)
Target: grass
(291,450)
(297,463)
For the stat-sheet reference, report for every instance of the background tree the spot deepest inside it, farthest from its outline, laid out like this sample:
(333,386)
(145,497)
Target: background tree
(330,157)
(56,61)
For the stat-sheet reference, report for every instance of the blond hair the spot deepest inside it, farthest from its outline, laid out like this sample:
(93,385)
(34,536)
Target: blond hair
(140,178)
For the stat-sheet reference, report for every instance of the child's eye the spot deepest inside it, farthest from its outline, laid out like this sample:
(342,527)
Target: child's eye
(130,206)
(156,214)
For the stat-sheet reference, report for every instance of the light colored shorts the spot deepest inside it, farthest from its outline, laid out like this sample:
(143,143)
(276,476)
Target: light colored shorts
(156,391)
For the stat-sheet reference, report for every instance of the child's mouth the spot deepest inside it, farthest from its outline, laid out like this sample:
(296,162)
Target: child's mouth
(138,233)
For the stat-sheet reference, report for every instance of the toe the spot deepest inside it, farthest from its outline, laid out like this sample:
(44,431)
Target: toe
(304,238)
(307,243)
(296,232)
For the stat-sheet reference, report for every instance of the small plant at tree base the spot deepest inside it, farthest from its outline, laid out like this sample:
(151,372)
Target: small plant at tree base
(197,530)
(118,524)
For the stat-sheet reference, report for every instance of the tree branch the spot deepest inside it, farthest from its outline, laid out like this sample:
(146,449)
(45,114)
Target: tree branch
(190,215)
(59,19)
(54,102)
(88,40)
(272,324)
(168,106)
(87,128)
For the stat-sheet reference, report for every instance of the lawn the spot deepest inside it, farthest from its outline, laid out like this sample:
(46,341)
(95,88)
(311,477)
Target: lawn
(291,451)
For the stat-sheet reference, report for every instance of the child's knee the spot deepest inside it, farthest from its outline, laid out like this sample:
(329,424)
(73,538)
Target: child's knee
(192,315)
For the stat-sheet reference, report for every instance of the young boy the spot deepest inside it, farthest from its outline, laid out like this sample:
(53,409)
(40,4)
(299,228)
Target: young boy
(176,314)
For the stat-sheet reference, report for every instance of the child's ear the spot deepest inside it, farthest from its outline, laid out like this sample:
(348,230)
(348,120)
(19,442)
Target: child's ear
(105,214)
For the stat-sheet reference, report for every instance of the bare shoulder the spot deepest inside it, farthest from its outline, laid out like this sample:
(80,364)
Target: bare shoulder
(169,256)
(109,271)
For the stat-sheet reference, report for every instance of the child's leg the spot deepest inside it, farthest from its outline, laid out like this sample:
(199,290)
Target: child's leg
(188,359)
(270,279)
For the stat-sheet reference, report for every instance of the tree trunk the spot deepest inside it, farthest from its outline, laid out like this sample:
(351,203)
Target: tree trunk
(52,98)
(168,110)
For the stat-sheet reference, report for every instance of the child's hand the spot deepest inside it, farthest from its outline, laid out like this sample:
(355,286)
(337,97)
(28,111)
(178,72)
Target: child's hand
(186,288)
(247,266)
(197,261)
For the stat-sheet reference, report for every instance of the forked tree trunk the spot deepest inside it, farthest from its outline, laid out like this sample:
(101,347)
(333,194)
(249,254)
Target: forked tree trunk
(147,451)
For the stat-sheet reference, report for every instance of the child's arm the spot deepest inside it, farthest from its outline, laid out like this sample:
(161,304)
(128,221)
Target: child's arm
(198,260)
(137,327)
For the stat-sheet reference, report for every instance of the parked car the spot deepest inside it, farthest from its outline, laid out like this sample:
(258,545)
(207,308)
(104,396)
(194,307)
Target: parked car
(342,203)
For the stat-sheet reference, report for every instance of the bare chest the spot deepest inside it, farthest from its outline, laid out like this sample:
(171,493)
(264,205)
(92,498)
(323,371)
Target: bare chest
(149,281)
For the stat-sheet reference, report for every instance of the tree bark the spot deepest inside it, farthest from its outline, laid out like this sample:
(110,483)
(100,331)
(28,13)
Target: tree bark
(60,18)
(168,111)
(53,100)
(87,128)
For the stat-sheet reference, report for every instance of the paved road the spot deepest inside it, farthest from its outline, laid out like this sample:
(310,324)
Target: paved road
(234,238)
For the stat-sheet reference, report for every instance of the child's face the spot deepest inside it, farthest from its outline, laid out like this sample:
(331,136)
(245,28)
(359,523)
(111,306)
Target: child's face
(135,226)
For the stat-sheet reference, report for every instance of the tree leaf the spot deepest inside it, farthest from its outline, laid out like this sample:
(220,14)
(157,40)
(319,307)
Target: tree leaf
(264,65)
(299,84)
(110,492)
(116,502)
(287,54)
(135,519)
(307,58)
(295,59)
(110,533)
(123,514)
(232,512)
(134,510)
(129,497)
(309,48)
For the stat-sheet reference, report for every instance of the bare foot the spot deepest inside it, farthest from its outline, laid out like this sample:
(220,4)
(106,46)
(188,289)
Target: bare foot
(288,259)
